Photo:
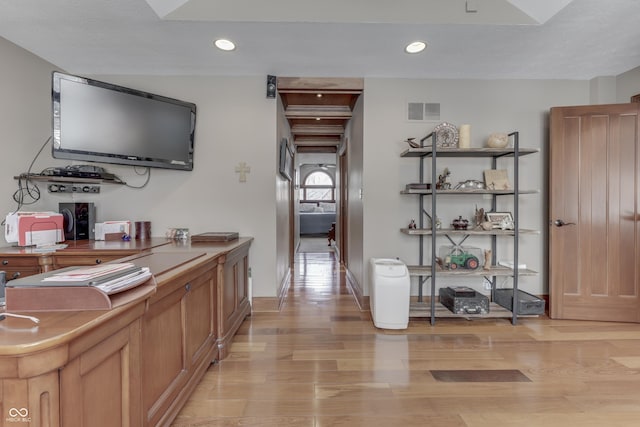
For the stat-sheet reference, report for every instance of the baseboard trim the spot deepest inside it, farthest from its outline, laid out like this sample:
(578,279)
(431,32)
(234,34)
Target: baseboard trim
(265,305)
(352,283)
(273,304)
(284,289)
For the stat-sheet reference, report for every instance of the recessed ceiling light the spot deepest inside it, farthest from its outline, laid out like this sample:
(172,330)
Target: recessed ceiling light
(224,44)
(319,95)
(415,47)
(317,118)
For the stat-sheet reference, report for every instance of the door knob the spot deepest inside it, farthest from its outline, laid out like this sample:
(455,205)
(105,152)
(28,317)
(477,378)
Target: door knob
(561,223)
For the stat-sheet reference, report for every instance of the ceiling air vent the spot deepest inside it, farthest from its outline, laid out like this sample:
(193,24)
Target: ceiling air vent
(423,111)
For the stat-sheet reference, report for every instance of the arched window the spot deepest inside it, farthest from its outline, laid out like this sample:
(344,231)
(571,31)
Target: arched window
(317,186)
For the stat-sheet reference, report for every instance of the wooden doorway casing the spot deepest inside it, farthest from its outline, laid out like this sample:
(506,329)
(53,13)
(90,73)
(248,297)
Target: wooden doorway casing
(293,232)
(318,110)
(594,222)
(343,203)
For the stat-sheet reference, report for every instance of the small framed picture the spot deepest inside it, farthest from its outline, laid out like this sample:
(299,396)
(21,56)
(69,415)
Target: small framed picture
(496,179)
(286,160)
(503,220)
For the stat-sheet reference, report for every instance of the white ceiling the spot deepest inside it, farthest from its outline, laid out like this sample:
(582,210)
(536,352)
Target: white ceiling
(489,39)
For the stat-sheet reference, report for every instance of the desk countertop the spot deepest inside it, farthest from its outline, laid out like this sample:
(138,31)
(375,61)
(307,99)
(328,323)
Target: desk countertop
(75,246)
(165,259)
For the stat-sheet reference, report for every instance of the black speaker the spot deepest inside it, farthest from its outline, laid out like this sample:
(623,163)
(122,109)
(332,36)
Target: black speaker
(271,86)
(79,220)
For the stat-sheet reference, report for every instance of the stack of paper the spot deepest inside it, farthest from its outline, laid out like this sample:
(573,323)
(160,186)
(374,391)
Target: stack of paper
(110,278)
(510,264)
(125,282)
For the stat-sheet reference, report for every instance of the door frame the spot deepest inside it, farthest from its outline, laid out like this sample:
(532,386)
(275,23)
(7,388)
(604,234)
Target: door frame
(343,232)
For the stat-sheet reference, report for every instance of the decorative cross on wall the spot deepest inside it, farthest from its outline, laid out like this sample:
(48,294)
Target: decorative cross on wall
(243,170)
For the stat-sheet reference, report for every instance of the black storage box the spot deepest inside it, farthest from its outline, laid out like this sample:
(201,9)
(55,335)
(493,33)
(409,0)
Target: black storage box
(463,300)
(527,303)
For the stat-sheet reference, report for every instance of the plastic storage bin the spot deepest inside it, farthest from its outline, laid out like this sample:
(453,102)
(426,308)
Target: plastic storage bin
(390,293)
(527,303)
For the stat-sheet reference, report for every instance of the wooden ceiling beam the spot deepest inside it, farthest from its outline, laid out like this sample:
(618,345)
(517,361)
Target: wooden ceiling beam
(320,84)
(316,123)
(317,130)
(322,111)
(318,109)
(320,138)
(319,143)
(316,149)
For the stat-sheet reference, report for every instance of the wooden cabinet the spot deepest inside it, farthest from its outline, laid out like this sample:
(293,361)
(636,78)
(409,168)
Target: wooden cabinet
(63,260)
(101,386)
(19,266)
(73,369)
(233,293)
(26,261)
(138,363)
(35,399)
(232,284)
(178,336)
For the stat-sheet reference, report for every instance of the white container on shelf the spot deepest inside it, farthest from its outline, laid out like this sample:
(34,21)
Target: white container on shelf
(390,293)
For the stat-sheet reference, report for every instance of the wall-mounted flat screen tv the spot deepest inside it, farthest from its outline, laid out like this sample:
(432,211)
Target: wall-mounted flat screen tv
(102,122)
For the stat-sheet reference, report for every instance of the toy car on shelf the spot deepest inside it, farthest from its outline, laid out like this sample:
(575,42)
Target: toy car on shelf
(455,257)
(465,260)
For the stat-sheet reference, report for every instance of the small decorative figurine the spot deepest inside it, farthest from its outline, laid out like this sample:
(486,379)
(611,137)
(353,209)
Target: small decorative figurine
(487,259)
(442,183)
(460,223)
(478,218)
(506,224)
(487,226)
(412,225)
(412,143)
(498,140)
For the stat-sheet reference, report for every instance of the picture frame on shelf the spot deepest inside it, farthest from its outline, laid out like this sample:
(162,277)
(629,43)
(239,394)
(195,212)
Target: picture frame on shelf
(501,220)
(496,179)
(286,160)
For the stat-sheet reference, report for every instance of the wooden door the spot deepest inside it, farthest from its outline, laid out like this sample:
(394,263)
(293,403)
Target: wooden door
(594,272)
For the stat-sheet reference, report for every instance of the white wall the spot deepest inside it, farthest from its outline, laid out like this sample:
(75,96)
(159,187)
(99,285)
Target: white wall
(627,85)
(25,119)
(603,90)
(488,106)
(235,123)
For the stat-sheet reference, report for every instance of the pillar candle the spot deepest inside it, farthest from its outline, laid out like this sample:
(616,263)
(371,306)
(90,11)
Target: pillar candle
(464,136)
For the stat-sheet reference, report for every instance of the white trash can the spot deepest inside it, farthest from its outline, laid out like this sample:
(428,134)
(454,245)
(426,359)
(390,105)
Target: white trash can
(390,293)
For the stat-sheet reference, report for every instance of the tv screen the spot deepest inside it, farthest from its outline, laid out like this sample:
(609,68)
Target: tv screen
(102,122)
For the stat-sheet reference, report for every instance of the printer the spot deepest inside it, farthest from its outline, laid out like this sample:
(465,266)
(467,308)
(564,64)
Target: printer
(34,228)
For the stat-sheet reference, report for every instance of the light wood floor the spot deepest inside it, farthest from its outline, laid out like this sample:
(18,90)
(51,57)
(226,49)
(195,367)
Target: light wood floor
(315,244)
(321,362)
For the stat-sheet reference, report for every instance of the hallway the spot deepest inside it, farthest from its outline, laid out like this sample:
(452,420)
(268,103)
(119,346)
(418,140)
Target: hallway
(320,362)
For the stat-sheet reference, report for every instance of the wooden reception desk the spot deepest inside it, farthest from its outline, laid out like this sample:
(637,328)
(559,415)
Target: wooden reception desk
(135,364)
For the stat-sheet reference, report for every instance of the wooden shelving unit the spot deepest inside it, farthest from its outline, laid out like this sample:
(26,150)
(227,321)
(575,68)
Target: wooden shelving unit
(428,269)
